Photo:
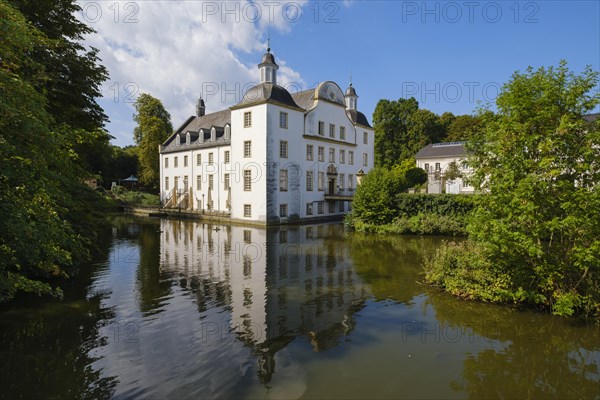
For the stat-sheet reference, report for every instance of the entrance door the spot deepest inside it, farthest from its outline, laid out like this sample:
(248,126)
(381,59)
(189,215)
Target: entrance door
(331,187)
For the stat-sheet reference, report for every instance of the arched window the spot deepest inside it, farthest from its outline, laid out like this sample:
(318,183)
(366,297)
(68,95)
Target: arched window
(213,134)
(227,132)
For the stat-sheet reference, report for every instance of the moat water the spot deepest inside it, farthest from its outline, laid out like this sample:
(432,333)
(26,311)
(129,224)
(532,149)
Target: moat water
(182,309)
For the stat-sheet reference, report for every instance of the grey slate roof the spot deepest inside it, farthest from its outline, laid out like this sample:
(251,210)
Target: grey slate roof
(193,124)
(441,150)
(591,117)
(267,92)
(305,99)
(358,118)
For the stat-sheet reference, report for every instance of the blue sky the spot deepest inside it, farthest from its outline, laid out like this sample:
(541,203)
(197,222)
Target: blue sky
(448,55)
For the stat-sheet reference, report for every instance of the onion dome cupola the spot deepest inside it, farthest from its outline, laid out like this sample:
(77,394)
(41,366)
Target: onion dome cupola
(200,107)
(268,68)
(351,98)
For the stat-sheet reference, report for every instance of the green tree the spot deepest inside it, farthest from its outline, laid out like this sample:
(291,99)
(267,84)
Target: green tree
(538,226)
(402,129)
(463,127)
(46,225)
(153,128)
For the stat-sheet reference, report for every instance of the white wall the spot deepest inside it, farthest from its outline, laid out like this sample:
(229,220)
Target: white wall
(444,163)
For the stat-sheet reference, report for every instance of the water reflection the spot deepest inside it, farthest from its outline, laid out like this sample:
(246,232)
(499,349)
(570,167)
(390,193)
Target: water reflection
(535,356)
(182,309)
(277,284)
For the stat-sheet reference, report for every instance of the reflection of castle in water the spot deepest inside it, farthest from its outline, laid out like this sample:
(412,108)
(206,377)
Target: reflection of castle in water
(278,284)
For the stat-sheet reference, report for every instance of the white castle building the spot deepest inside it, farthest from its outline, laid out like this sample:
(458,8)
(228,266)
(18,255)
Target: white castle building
(273,157)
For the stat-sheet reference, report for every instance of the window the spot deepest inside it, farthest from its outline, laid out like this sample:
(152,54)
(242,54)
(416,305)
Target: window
(365,159)
(283,149)
(309,181)
(185,182)
(167,183)
(350,157)
(283,120)
(320,207)
(176,183)
(342,156)
(437,166)
(185,161)
(321,153)
(350,181)
(226,181)
(198,159)
(341,181)
(365,138)
(331,155)
(342,132)
(248,119)
(321,183)
(465,165)
(166,162)
(321,128)
(465,183)
(331,206)
(309,208)
(175,162)
(426,167)
(211,158)
(199,182)
(247,236)
(309,152)
(247,149)
(227,157)
(283,180)
(247,210)
(211,182)
(331,130)
(283,210)
(247,180)
(342,207)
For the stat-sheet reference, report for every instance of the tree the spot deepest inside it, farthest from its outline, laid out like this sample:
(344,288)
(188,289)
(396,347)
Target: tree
(538,226)
(153,128)
(402,129)
(46,223)
(463,127)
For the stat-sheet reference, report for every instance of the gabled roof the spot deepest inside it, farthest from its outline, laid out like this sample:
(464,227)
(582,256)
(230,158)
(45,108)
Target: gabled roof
(442,150)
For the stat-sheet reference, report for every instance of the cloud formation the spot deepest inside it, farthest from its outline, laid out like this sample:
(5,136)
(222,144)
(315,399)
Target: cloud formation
(178,50)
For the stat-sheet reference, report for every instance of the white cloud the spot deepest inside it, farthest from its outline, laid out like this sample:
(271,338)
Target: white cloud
(177,50)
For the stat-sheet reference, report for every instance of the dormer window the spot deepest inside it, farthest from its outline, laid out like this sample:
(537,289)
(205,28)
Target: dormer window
(201,136)
(227,132)
(188,138)
(177,140)
(213,134)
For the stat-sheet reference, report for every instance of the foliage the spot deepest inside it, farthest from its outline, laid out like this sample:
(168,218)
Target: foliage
(46,226)
(402,129)
(153,128)
(422,214)
(539,223)
(452,172)
(375,196)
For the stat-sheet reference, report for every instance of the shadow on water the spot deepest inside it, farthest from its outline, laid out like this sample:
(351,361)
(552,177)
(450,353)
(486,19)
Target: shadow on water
(186,309)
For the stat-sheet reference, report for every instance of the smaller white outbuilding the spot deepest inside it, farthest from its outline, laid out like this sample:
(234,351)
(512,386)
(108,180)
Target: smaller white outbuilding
(436,159)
